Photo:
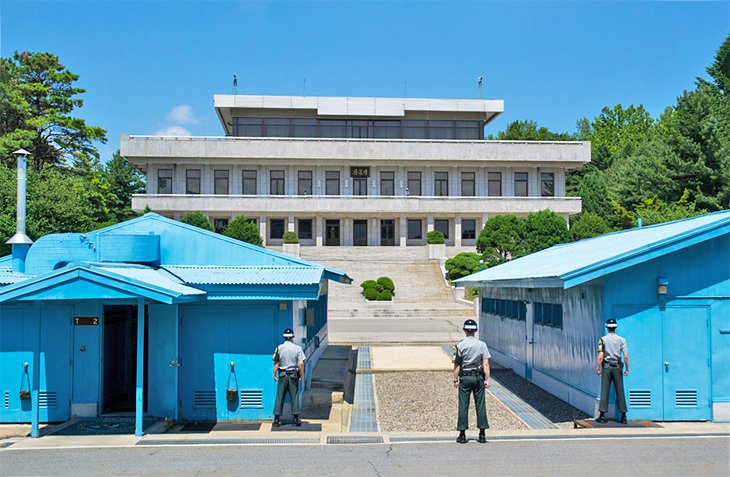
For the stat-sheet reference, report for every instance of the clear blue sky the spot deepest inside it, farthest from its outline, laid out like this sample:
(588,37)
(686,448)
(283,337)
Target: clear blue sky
(151,66)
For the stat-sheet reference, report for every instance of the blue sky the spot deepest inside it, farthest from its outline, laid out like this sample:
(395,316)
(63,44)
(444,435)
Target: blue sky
(154,66)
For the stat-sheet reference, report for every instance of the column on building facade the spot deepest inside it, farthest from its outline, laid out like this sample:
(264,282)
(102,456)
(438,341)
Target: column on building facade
(454,182)
(346,228)
(508,182)
(206,181)
(373,182)
(484,222)
(401,181)
(560,183)
(178,179)
(403,227)
(263,228)
(429,223)
(373,232)
(457,231)
(319,231)
(427,181)
(235,186)
(533,182)
(290,223)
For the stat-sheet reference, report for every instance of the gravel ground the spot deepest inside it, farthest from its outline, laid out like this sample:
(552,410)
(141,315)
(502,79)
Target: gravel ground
(559,412)
(427,401)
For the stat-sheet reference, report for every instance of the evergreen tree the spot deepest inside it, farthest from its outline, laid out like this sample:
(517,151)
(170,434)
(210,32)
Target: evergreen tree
(198,220)
(244,230)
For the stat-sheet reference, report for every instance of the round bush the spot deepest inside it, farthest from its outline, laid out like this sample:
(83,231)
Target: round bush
(371,294)
(368,284)
(290,237)
(434,237)
(386,283)
(378,287)
(385,295)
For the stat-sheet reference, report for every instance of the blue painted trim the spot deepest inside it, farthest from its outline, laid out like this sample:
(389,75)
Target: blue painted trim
(646,253)
(35,404)
(139,408)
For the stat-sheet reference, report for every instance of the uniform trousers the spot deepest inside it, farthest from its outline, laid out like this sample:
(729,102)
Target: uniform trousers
(287,383)
(613,375)
(468,384)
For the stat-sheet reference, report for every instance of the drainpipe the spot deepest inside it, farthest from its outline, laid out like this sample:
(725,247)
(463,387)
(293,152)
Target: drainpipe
(638,223)
(20,241)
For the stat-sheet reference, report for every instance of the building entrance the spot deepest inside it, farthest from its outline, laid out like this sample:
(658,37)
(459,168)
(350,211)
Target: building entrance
(387,233)
(360,233)
(332,232)
(120,358)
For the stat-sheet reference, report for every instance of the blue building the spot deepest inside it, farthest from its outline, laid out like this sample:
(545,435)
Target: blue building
(152,316)
(668,286)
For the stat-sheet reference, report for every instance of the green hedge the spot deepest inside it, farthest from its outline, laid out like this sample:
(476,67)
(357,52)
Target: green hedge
(387,283)
(371,294)
(368,284)
(434,237)
(290,237)
(381,289)
(385,295)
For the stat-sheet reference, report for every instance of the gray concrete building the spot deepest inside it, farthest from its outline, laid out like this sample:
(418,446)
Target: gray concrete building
(354,171)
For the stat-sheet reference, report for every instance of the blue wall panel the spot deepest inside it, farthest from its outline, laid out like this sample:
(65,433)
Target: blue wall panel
(162,389)
(87,363)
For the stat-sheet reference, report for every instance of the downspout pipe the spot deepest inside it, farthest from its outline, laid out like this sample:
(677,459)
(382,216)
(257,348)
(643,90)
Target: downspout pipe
(20,241)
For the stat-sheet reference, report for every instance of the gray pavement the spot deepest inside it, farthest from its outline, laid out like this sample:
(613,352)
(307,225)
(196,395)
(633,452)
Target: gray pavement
(653,456)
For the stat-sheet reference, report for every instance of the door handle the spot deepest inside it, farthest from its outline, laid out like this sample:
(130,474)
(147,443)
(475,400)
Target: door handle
(666,365)
(174,363)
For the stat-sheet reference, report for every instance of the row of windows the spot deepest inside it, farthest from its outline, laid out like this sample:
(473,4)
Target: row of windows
(359,129)
(277,183)
(545,314)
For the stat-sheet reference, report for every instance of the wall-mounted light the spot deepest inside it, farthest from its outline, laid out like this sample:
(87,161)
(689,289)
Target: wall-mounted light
(662,286)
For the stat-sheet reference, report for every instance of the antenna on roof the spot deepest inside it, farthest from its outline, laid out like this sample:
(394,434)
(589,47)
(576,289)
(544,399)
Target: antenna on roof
(235,84)
(304,87)
(479,83)
(405,88)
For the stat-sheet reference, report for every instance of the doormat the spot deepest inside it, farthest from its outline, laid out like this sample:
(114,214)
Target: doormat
(305,427)
(592,424)
(105,425)
(210,426)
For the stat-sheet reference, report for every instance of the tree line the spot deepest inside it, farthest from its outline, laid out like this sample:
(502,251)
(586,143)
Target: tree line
(658,169)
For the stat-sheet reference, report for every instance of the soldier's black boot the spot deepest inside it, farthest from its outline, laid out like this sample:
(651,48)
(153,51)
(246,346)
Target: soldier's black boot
(462,437)
(276,421)
(482,437)
(601,417)
(623,418)
(297,421)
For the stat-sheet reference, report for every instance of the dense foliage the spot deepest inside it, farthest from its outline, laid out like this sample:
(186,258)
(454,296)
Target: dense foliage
(462,265)
(381,289)
(244,230)
(197,219)
(435,237)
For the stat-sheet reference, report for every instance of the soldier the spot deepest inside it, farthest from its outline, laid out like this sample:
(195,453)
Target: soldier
(609,366)
(471,375)
(288,372)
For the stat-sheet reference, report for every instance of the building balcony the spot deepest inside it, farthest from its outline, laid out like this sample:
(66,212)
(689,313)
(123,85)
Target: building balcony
(141,150)
(352,206)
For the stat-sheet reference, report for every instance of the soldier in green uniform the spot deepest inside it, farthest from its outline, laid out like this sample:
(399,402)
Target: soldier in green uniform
(611,348)
(471,375)
(288,373)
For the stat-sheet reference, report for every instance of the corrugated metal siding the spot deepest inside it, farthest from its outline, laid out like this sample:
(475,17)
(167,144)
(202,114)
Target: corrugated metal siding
(247,275)
(7,276)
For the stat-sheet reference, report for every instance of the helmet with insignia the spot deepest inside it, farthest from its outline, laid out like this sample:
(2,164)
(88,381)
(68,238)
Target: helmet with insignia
(470,325)
(288,333)
(611,323)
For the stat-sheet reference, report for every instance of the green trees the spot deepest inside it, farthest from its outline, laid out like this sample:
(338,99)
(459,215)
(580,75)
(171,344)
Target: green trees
(502,239)
(197,219)
(435,237)
(588,225)
(244,230)
(463,264)
(544,229)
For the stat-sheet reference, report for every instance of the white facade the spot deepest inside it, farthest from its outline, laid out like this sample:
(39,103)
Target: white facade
(354,190)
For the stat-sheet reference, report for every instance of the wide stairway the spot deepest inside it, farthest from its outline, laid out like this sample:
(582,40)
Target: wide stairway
(423,309)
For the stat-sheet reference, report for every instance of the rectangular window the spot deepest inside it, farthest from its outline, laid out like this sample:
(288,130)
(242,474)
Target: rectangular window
(387,183)
(304,227)
(276,127)
(441,183)
(386,129)
(334,128)
(494,184)
(276,186)
(332,182)
(414,229)
(468,229)
(276,228)
(467,184)
(248,127)
(414,129)
(164,181)
(192,181)
(220,185)
(414,183)
(441,129)
(304,182)
(249,183)
(304,128)
(547,184)
(469,130)
(359,186)
(442,225)
(219,225)
(521,184)
(557,316)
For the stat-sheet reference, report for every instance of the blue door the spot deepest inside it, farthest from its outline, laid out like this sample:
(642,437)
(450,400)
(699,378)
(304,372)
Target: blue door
(686,366)
(55,374)
(227,347)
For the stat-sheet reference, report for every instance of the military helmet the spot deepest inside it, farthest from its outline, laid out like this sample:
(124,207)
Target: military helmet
(470,325)
(288,333)
(611,323)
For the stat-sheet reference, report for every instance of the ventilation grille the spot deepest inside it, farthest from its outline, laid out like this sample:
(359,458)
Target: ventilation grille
(46,399)
(685,397)
(252,399)
(204,399)
(6,399)
(640,398)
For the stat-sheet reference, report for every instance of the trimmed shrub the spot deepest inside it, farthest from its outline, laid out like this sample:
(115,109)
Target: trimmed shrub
(378,287)
(197,219)
(290,237)
(371,294)
(244,230)
(434,237)
(462,265)
(386,283)
(385,295)
(368,284)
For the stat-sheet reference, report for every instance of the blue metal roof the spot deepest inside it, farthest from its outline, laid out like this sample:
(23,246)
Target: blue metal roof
(7,276)
(240,275)
(571,264)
